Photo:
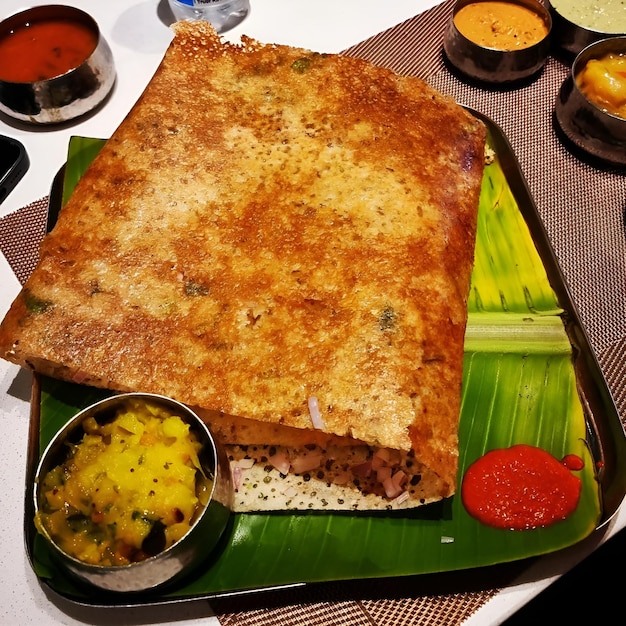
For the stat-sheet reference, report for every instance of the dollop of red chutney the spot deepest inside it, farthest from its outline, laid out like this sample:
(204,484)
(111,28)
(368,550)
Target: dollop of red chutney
(521,487)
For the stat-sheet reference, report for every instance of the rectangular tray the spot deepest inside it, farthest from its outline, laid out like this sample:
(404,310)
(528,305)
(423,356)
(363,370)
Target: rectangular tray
(274,551)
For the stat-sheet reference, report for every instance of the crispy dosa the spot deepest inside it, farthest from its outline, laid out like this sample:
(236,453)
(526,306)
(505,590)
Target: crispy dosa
(281,236)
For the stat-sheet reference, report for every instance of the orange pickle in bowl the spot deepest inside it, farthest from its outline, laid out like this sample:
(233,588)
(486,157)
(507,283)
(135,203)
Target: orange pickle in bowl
(603,82)
(501,25)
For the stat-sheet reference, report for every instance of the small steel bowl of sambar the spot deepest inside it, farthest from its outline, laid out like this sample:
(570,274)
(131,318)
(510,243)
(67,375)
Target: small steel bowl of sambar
(498,42)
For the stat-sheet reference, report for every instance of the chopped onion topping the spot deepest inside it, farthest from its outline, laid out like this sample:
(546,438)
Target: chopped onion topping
(399,478)
(384,457)
(281,462)
(391,489)
(393,485)
(306,463)
(381,457)
(314,412)
(236,477)
(402,497)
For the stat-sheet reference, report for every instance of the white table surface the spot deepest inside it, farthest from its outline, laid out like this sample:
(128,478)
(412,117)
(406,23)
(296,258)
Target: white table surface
(138,33)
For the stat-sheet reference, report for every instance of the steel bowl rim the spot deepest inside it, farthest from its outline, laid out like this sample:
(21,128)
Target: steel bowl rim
(586,55)
(576,25)
(50,9)
(496,65)
(74,424)
(533,4)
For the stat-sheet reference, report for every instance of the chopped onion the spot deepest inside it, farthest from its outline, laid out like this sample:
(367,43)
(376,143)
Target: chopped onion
(79,376)
(306,463)
(385,457)
(236,477)
(382,454)
(402,497)
(314,412)
(378,462)
(391,489)
(399,478)
(281,462)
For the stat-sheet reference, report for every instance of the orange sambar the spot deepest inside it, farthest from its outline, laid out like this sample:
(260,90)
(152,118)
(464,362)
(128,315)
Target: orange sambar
(44,49)
(500,25)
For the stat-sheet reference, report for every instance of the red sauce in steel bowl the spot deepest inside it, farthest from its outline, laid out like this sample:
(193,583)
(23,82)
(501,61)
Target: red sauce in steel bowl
(44,49)
(521,487)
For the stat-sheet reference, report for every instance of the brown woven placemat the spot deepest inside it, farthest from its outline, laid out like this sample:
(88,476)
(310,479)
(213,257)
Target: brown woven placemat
(21,233)
(435,600)
(417,611)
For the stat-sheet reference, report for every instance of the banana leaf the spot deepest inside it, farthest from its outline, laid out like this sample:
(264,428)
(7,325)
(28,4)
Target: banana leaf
(520,385)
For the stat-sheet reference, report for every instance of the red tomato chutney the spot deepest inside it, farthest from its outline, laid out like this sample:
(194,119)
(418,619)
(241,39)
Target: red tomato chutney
(521,487)
(43,49)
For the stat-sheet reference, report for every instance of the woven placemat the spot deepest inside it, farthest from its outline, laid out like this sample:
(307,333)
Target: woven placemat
(21,233)
(424,611)
(435,600)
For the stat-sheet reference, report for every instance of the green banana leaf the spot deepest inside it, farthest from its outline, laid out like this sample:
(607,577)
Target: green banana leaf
(519,386)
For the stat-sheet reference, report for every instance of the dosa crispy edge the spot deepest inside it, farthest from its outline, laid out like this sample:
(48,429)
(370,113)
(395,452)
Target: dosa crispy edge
(283,236)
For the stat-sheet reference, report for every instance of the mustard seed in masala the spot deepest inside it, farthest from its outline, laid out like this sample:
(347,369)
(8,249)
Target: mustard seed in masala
(127,491)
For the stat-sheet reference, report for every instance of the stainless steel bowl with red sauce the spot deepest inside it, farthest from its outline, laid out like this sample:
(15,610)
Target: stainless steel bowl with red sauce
(65,67)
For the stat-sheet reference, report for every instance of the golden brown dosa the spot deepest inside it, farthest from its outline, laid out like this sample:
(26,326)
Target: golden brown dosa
(275,234)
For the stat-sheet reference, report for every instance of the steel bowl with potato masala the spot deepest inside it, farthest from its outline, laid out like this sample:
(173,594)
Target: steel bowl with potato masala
(133,493)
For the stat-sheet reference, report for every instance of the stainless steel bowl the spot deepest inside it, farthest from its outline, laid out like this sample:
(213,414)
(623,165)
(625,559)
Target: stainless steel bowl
(572,37)
(69,95)
(185,555)
(586,124)
(492,65)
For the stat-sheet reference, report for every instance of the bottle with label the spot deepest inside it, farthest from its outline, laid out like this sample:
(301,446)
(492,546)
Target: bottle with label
(222,14)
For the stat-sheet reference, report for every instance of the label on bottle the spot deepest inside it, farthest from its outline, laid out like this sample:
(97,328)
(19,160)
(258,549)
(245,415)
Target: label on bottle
(199,3)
